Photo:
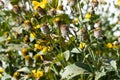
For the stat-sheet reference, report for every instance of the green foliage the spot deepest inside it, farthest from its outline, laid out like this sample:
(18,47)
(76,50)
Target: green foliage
(44,42)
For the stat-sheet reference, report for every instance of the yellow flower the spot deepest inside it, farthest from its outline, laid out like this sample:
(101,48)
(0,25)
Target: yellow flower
(41,41)
(9,38)
(109,45)
(88,16)
(118,2)
(16,75)
(60,7)
(33,35)
(37,46)
(0,75)
(37,27)
(82,45)
(48,48)
(1,70)
(37,73)
(27,57)
(38,56)
(97,52)
(24,51)
(41,57)
(75,21)
(44,50)
(39,4)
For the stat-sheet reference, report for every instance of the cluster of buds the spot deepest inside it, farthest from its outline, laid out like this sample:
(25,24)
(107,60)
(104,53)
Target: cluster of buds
(16,9)
(64,30)
(83,34)
(44,28)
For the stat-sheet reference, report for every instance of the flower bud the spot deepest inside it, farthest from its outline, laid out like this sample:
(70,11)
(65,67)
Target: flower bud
(44,28)
(64,30)
(97,32)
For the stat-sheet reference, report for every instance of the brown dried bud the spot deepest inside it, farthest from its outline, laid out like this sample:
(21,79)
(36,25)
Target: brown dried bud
(41,11)
(64,30)
(83,34)
(16,9)
(52,12)
(44,28)
(97,32)
(94,3)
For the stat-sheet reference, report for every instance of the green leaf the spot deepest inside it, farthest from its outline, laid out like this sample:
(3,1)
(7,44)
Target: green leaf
(58,58)
(15,46)
(2,39)
(65,18)
(24,69)
(113,64)
(54,3)
(75,69)
(98,75)
(67,55)
(75,50)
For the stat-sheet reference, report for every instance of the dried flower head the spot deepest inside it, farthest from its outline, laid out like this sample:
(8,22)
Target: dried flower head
(44,28)
(64,30)
(97,32)
(52,12)
(28,25)
(41,11)
(94,3)
(83,34)
(16,9)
